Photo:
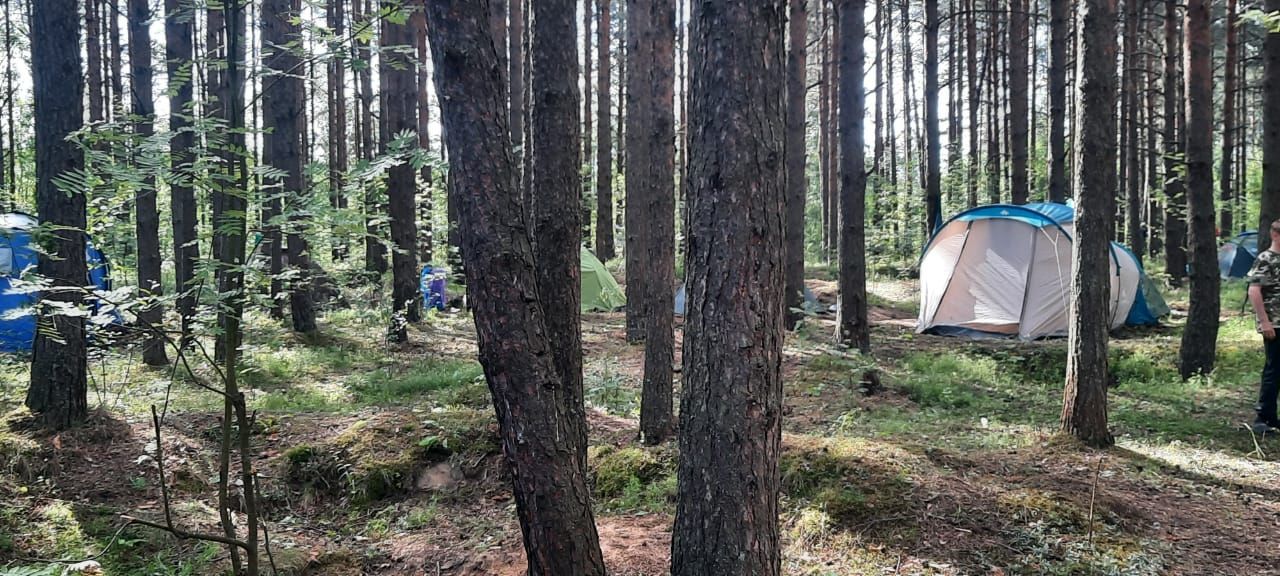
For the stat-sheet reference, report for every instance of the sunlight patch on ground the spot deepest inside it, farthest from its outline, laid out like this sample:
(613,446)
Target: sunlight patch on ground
(1240,470)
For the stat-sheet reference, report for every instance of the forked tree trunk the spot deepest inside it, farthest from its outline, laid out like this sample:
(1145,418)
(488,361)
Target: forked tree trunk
(853,328)
(147,221)
(179,32)
(796,148)
(651,199)
(539,439)
(59,384)
(604,144)
(1084,407)
(1200,337)
(399,116)
(1175,226)
(731,409)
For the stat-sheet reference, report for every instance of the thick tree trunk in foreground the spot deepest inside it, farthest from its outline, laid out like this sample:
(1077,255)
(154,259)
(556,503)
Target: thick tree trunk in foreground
(282,111)
(556,215)
(59,383)
(399,115)
(853,328)
(1084,409)
(539,440)
(604,144)
(516,74)
(147,220)
(651,199)
(179,47)
(1200,337)
(1270,210)
(796,148)
(731,405)
(1175,225)
(1018,100)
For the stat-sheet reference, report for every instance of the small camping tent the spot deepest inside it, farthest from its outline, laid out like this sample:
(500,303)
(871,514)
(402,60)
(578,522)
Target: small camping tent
(1235,258)
(1005,270)
(17,258)
(600,292)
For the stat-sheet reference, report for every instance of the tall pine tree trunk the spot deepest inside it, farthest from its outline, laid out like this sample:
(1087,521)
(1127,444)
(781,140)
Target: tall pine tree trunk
(1228,121)
(731,409)
(798,39)
(1084,409)
(147,220)
(1133,182)
(179,31)
(1059,13)
(651,198)
(854,329)
(59,384)
(933,136)
(1175,226)
(425,200)
(93,49)
(540,438)
(1199,338)
(1018,99)
(824,122)
(604,144)
(375,252)
(556,187)
(400,115)
(975,102)
(282,108)
(337,76)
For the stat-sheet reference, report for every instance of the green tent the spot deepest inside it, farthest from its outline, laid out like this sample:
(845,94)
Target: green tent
(600,292)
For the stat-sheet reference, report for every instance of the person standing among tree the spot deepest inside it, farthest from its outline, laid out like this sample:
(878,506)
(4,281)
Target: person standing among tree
(1264,294)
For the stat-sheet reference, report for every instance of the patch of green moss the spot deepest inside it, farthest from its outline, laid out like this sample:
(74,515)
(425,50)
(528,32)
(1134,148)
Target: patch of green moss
(632,479)
(848,489)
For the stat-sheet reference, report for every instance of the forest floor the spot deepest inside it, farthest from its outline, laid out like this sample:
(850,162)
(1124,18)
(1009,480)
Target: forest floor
(379,459)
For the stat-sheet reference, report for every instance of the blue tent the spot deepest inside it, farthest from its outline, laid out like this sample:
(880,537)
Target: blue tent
(1235,258)
(18,257)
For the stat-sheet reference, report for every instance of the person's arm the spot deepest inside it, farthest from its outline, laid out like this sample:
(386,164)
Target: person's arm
(1260,311)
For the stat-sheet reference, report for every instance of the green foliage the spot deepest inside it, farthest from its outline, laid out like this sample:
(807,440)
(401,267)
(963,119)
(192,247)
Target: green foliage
(386,386)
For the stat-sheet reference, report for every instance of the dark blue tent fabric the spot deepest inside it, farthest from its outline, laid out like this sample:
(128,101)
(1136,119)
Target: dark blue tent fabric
(17,258)
(1235,258)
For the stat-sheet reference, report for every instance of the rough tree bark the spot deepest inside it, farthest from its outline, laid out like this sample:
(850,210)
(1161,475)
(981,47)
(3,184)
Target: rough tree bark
(179,32)
(1018,99)
(853,328)
(650,177)
(824,121)
(375,252)
(1175,226)
(604,144)
(1084,406)
(796,149)
(282,111)
(147,219)
(933,135)
(638,108)
(516,74)
(1133,179)
(337,110)
(1228,120)
(397,72)
(556,216)
(59,385)
(1270,207)
(93,50)
(539,439)
(1200,337)
(1059,13)
(731,408)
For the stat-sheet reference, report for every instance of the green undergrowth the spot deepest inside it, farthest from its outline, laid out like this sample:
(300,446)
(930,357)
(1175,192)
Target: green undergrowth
(632,479)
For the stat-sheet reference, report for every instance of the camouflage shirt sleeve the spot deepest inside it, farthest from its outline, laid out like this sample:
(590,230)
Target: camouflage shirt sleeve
(1265,269)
